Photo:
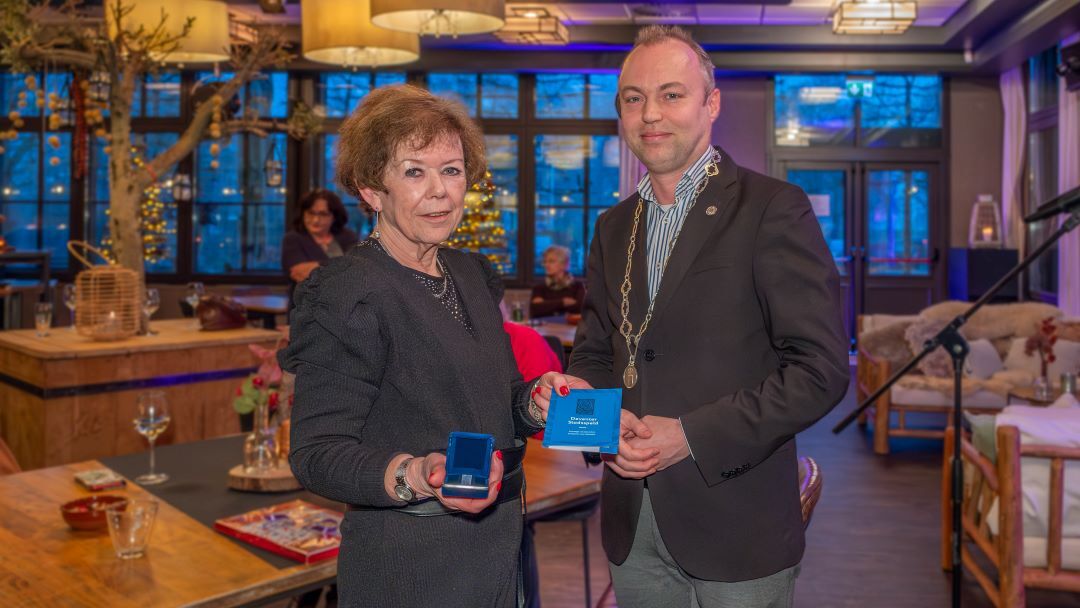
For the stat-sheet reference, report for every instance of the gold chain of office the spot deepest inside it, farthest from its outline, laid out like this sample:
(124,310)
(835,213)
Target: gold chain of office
(633,341)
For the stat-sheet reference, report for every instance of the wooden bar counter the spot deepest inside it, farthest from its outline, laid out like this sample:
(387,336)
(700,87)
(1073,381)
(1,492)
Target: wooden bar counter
(65,398)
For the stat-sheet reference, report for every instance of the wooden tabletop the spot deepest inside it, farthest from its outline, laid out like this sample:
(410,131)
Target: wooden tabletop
(44,563)
(559,329)
(1027,393)
(272,304)
(62,343)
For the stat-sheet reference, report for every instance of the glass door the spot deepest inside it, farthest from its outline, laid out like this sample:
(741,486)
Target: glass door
(882,224)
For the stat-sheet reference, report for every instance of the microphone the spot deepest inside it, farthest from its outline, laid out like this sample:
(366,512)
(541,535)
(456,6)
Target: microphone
(1065,203)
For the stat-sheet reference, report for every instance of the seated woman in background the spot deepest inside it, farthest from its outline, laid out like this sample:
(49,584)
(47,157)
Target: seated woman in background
(561,293)
(319,233)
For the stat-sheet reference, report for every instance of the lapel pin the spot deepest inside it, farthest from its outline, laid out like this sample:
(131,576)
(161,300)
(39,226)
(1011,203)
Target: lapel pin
(710,210)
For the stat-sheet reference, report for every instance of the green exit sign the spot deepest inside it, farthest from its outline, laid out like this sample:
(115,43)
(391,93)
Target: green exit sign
(860,88)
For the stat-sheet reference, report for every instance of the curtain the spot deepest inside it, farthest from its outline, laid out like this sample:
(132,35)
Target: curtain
(1069,178)
(630,169)
(1012,158)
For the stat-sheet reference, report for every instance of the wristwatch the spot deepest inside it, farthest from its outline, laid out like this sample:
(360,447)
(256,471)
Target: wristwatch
(401,485)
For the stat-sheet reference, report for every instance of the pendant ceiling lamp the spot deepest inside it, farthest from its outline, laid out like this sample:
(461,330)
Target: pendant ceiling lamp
(439,17)
(340,32)
(874,16)
(207,41)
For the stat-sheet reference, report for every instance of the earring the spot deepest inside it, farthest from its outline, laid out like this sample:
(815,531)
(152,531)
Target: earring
(375,229)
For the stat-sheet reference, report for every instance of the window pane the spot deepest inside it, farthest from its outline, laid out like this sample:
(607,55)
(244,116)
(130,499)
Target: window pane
(602,89)
(359,221)
(267,167)
(269,95)
(1043,80)
(217,238)
(19,170)
(502,154)
(56,233)
(576,180)
(385,79)
(499,95)
(898,224)
(459,87)
(826,189)
(1042,182)
(560,96)
(222,184)
(161,94)
(20,224)
(813,110)
(265,229)
(341,91)
(16,97)
(902,111)
(57,166)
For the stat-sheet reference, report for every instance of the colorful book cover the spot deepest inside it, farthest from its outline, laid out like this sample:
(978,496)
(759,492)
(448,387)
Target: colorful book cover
(99,479)
(296,529)
(586,420)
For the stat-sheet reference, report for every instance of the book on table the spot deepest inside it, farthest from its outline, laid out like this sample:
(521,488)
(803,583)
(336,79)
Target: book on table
(585,420)
(296,529)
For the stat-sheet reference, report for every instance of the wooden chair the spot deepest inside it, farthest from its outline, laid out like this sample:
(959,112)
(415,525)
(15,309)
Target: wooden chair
(985,482)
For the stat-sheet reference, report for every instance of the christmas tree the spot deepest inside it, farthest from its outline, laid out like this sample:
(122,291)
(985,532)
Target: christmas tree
(481,228)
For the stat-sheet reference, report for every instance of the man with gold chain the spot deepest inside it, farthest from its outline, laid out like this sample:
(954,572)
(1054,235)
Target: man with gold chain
(714,303)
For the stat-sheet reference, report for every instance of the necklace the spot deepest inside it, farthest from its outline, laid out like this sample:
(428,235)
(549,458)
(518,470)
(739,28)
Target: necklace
(633,340)
(438,295)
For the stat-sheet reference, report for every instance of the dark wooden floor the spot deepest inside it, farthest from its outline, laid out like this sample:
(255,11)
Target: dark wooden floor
(874,539)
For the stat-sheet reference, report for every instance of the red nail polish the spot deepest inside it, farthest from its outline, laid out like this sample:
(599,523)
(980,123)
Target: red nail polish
(536,391)
(564,391)
(498,454)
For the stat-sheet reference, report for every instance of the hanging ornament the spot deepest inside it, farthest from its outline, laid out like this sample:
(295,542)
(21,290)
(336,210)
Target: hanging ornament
(273,168)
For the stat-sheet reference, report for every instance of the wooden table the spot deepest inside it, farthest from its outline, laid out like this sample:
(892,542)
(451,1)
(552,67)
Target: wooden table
(43,563)
(65,398)
(266,308)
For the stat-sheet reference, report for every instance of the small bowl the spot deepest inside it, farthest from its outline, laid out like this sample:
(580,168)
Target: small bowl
(89,513)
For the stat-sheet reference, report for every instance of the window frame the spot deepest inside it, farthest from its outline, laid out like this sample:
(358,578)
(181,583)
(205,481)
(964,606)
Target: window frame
(1043,119)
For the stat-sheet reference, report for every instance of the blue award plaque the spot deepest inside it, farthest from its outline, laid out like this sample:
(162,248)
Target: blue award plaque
(586,420)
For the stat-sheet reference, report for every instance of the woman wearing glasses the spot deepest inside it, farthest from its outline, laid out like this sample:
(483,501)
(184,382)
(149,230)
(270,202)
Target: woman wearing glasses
(319,233)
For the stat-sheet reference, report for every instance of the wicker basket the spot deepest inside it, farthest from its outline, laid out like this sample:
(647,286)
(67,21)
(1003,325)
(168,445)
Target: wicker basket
(108,298)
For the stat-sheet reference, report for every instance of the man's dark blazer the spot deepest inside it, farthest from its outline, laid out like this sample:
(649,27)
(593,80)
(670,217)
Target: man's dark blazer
(746,346)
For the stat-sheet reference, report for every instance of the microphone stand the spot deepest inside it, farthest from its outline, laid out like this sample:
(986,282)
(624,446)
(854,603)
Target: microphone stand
(957,348)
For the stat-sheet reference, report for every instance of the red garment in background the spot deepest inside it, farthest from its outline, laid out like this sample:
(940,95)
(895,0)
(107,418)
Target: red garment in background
(531,352)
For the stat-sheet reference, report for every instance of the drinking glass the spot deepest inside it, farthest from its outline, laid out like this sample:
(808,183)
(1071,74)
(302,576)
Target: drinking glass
(69,302)
(152,420)
(195,291)
(150,305)
(130,526)
(42,318)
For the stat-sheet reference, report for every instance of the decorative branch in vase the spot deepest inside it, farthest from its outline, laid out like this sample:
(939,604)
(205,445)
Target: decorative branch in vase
(1043,343)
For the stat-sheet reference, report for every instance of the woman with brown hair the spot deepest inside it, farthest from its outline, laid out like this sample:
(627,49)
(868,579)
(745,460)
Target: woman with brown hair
(394,346)
(319,233)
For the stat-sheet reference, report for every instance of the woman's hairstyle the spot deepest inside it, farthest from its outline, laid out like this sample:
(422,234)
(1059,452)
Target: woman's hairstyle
(559,251)
(333,203)
(401,115)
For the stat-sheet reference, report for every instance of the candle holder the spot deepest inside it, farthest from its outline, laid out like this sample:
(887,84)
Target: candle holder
(984,231)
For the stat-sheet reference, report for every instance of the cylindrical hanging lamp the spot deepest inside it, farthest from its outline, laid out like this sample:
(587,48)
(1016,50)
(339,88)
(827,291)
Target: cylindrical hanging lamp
(439,17)
(340,32)
(206,42)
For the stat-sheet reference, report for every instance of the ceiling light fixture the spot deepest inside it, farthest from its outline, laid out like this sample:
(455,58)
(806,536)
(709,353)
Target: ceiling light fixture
(874,16)
(340,32)
(532,25)
(206,42)
(439,17)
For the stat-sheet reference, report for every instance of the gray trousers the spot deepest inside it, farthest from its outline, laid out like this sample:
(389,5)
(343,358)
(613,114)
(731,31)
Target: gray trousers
(650,578)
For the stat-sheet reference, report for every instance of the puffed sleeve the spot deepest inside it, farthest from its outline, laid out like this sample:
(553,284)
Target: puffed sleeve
(338,355)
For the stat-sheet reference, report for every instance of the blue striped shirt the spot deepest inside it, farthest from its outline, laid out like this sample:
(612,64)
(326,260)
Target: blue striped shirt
(663,223)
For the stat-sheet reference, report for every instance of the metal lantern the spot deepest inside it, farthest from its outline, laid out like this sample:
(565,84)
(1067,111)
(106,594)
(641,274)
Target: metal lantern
(984,231)
(181,187)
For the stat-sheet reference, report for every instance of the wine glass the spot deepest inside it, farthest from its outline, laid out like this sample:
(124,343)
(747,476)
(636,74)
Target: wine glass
(42,319)
(150,305)
(152,420)
(69,302)
(195,291)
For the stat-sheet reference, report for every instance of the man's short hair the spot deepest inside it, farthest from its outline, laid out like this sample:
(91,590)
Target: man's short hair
(655,34)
